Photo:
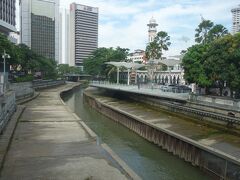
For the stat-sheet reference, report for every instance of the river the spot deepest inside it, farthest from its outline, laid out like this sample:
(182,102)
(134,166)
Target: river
(146,159)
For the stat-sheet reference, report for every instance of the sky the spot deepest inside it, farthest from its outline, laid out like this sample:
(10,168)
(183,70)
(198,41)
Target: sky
(124,22)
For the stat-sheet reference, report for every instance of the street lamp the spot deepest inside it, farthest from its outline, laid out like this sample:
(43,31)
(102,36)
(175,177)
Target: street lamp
(4,56)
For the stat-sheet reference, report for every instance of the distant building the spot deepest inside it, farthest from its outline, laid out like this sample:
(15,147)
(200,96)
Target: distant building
(173,74)
(137,56)
(83,33)
(152,30)
(67,39)
(39,21)
(7,16)
(236,19)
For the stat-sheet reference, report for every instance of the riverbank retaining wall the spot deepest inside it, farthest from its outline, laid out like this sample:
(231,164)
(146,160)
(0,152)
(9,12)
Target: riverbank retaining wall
(199,112)
(218,164)
(22,90)
(7,108)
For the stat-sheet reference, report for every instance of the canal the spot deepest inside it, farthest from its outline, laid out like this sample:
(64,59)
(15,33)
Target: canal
(146,159)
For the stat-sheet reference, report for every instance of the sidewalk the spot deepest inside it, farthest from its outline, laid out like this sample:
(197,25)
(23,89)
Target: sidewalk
(50,142)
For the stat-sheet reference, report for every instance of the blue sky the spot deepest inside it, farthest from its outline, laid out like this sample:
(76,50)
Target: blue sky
(123,22)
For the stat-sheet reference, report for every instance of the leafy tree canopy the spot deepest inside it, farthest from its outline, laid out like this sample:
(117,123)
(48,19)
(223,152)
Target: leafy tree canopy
(154,50)
(207,32)
(94,64)
(26,60)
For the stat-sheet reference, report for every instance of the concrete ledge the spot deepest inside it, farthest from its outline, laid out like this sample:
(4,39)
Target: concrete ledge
(22,101)
(123,165)
(89,131)
(6,137)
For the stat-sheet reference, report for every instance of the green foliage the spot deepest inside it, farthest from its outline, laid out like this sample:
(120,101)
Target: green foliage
(214,64)
(154,50)
(193,65)
(24,78)
(65,69)
(207,32)
(25,60)
(201,35)
(94,65)
(222,62)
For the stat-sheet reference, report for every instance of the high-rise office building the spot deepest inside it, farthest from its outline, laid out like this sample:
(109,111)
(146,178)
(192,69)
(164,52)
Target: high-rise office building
(236,19)
(7,16)
(40,26)
(83,33)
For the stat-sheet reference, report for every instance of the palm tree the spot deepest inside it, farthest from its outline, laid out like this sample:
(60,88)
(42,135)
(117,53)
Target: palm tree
(163,41)
(217,31)
(154,50)
(201,35)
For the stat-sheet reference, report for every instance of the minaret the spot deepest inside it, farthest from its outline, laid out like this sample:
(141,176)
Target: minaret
(152,30)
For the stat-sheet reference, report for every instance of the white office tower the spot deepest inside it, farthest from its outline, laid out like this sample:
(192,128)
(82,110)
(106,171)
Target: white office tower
(83,33)
(236,19)
(40,26)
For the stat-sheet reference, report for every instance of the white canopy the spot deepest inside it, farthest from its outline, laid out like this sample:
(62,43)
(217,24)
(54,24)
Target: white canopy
(127,65)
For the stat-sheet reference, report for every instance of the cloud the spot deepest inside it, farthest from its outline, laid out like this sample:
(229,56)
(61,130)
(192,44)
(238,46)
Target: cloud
(124,23)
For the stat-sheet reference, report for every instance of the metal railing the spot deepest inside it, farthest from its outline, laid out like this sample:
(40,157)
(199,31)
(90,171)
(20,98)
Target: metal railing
(39,84)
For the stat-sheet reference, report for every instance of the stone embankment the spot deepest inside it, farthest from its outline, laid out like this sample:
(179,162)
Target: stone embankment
(218,154)
(51,142)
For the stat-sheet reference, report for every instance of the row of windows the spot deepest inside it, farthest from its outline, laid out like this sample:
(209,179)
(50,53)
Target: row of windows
(86,23)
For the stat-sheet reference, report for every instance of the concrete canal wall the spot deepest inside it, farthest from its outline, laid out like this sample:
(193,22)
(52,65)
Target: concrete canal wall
(7,108)
(217,163)
(26,89)
(200,112)
(22,90)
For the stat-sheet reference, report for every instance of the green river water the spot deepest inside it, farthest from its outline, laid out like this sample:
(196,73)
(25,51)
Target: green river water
(146,159)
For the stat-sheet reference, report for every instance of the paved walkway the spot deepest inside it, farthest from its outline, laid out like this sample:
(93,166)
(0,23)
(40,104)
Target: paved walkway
(144,89)
(50,142)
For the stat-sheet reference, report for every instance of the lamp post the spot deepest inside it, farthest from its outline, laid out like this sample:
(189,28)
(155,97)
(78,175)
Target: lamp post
(4,56)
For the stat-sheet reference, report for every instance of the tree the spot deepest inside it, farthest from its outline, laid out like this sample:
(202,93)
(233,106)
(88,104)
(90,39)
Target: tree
(163,40)
(95,64)
(201,35)
(216,32)
(154,50)
(222,62)
(9,48)
(192,62)
(208,32)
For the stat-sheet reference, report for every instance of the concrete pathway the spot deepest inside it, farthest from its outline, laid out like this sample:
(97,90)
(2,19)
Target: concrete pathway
(50,142)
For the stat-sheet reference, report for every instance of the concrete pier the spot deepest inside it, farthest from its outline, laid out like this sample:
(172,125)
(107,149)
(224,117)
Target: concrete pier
(50,142)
